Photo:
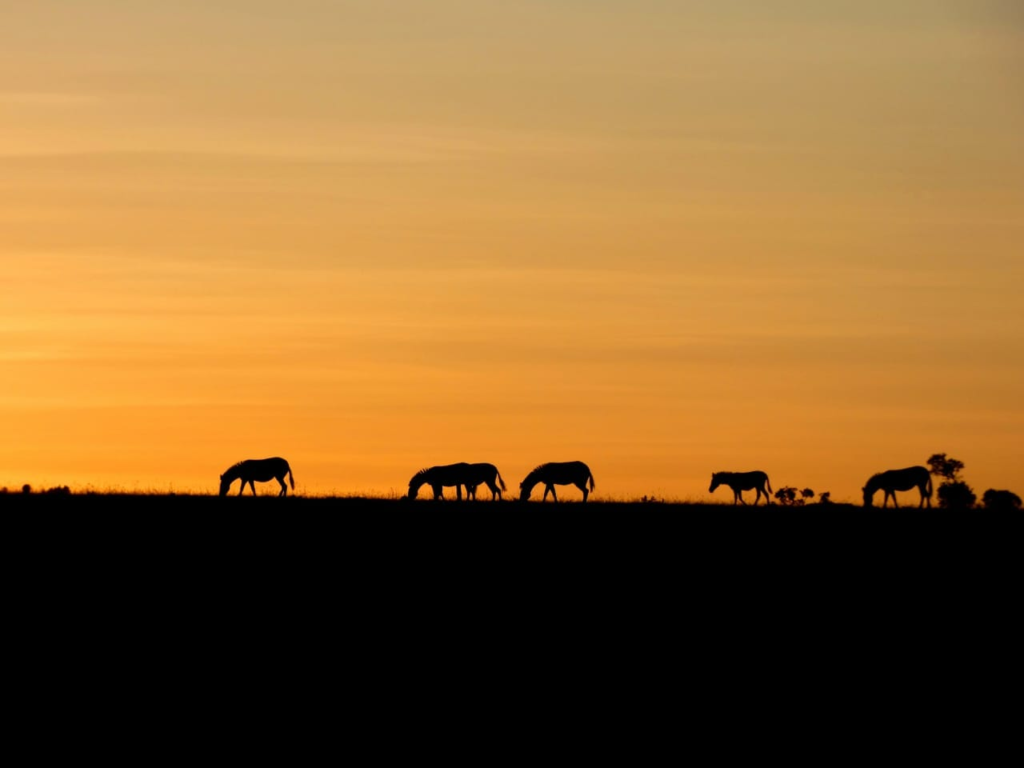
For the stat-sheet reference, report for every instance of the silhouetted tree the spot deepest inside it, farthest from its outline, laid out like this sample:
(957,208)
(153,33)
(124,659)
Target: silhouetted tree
(1000,501)
(807,495)
(944,467)
(825,498)
(954,493)
(26,488)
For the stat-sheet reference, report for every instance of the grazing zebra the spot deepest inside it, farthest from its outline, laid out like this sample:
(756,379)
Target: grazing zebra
(254,471)
(557,473)
(441,477)
(486,474)
(899,480)
(743,481)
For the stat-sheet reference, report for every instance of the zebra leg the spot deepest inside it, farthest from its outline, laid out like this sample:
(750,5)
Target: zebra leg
(554,495)
(495,491)
(583,487)
(458,492)
(739,498)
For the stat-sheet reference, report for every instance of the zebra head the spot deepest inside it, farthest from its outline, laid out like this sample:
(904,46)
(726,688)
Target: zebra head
(225,484)
(715,482)
(869,495)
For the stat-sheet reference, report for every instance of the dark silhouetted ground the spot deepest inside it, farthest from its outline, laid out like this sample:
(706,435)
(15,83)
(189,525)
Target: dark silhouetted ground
(387,592)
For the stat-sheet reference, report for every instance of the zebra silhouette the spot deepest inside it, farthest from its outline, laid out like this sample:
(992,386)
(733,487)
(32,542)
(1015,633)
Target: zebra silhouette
(899,480)
(486,474)
(253,471)
(743,481)
(557,473)
(439,478)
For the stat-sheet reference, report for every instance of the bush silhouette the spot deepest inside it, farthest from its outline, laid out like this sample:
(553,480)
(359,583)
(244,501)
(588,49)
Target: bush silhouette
(956,495)
(789,496)
(1000,501)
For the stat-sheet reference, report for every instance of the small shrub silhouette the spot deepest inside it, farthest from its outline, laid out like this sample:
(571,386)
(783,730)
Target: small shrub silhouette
(956,495)
(789,496)
(1000,501)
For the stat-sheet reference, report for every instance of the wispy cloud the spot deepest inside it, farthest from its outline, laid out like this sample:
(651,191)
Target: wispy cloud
(47,98)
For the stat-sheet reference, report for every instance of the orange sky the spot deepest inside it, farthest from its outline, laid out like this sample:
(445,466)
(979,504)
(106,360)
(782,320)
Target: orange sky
(374,236)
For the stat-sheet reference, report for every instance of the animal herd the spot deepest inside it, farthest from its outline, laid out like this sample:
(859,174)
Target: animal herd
(471,476)
(461,475)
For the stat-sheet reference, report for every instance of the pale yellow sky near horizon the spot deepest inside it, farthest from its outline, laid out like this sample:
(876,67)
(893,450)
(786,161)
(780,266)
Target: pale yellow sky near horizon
(663,238)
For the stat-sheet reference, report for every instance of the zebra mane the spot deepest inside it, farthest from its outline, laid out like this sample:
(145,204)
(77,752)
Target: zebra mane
(874,478)
(539,467)
(236,465)
(420,474)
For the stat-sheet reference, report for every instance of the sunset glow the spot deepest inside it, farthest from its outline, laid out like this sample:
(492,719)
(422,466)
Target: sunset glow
(374,236)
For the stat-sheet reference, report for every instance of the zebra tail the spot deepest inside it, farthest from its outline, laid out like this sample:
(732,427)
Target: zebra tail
(500,481)
(591,481)
(929,485)
(290,478)
(768,483)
